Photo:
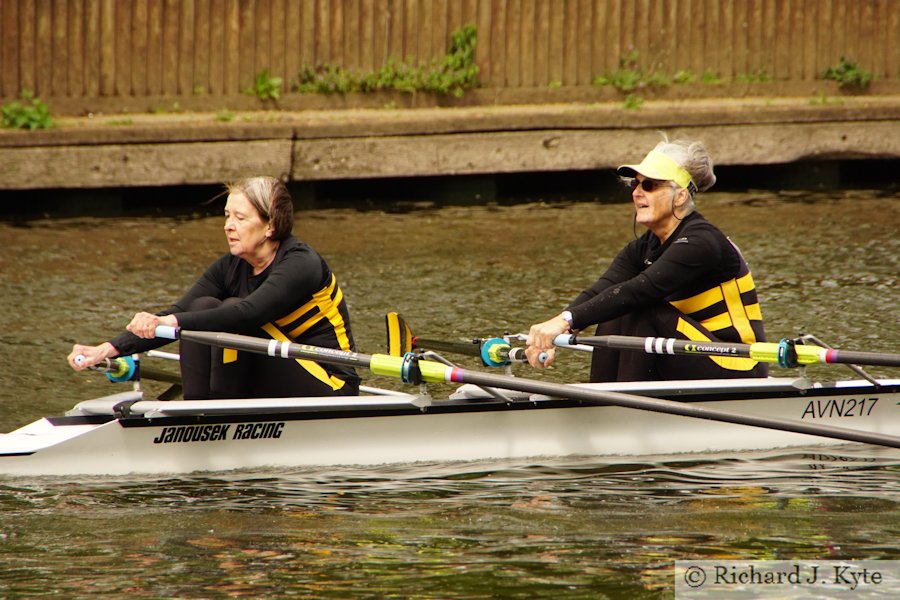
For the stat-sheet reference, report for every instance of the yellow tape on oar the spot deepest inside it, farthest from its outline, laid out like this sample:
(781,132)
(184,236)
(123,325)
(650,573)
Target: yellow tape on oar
(399,367)
(772,353)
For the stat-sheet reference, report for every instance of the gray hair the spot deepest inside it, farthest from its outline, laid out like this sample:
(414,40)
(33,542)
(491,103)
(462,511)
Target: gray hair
(694,158)
(271,199)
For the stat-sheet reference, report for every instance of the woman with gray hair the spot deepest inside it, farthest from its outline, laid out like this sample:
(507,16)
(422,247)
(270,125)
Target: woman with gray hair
(269,284)
(682,278)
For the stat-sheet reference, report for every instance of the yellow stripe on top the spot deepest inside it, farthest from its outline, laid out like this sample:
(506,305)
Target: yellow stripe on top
(699,302)
(736,309)
(314,369)
(734,314)
(309,305)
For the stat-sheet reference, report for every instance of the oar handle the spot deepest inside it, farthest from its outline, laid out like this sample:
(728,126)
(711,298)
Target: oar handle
(567,340)
(122,368)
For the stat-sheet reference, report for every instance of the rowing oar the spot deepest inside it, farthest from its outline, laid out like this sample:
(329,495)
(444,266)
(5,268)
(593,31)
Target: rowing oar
(785,353)
(410,370)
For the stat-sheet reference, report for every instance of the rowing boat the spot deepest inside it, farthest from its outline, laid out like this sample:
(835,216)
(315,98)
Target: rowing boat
(126,433)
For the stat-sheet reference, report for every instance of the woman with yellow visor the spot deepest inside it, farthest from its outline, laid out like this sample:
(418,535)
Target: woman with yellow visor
(682,278)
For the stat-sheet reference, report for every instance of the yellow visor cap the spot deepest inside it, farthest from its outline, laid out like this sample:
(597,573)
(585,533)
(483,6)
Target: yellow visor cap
(657,165)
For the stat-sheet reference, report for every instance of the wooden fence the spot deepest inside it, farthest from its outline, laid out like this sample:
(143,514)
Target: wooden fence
(214,48)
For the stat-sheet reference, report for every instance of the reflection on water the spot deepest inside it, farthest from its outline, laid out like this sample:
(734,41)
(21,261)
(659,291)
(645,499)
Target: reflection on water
(827,264)
(570,528)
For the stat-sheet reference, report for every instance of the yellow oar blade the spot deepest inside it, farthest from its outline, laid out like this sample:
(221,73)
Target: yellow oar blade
(399,335)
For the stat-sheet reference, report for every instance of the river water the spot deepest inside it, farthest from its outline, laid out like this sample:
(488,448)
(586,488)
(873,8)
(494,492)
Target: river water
(826,263)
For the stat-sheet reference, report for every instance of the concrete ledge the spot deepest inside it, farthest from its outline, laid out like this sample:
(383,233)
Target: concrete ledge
(195,148)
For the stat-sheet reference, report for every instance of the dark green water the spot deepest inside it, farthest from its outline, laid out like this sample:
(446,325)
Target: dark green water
(825,263)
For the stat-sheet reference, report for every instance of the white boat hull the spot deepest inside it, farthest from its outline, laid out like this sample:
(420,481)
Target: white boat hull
(155,437)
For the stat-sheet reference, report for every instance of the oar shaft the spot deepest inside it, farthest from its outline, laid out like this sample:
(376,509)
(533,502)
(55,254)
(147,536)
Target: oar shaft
(472,348)
(393,366)
(760,351)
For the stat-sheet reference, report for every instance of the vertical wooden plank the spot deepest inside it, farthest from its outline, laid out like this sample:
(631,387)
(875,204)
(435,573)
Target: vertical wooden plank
(892,29)
(367,57)
(26,46)
(291,49)
(58,49)
(867,36)
(822,20)
(627,10)
(556,49)
(246,44)
(43,57)
(215,81)
(659,33)
(440,34)
(322,32)
(336,45)
(9,49)
(122,47)
(754,18)
(541,43)
(170,26)
(307,34)
(351,34)
(880,41)
(527,43)
(469,11)
(202,31)
(410,32)
(726,45)
(617,41)
(75,48)
(231,63)
(569,44)
(710,49)
(782,42)
(739,39)
(138,34)
(483,20)
(154,48)
(511,50)
(599,39)
(656,30)
(425,43)
(852,41)
(108,48)
(381,31)
(810,34)
(261,33)
(92,48)
(392,32)
(500,9)
(767,37)
(795,39)
(455,14)
(638,29)
(186,47)
(838,34)
(673,36)
(277,40)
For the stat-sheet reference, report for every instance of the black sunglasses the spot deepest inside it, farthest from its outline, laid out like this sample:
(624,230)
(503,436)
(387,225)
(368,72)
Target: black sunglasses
(648,185)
